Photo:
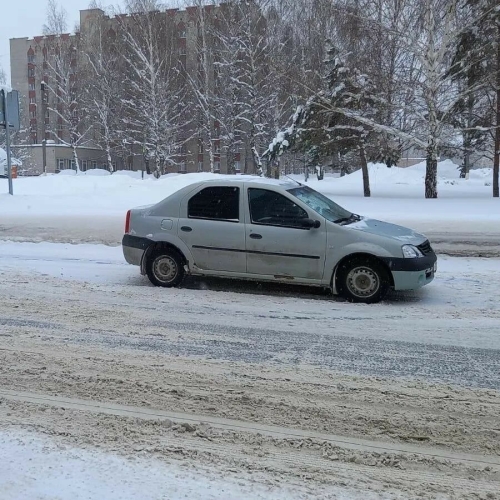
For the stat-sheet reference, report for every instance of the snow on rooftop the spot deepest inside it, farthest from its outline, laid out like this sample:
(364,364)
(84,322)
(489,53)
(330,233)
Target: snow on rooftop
(3,159)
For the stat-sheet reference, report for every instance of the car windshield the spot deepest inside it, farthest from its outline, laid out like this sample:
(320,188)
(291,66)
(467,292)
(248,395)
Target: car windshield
(321,204)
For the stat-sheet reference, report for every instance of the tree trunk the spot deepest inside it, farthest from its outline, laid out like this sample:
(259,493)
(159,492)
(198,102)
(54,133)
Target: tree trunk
(211,157)
(110,161)
(431,171)
(496,160)
(77,163)
(364,169)
(468,136)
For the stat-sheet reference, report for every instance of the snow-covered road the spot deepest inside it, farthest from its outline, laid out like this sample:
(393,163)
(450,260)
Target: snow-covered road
(452,237)
(402,395)
(447,332)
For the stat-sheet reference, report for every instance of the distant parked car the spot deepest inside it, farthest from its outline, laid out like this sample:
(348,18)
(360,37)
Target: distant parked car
(269,230)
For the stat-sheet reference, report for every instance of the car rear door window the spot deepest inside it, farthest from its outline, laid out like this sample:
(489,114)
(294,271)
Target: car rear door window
(216,203)
(273,209)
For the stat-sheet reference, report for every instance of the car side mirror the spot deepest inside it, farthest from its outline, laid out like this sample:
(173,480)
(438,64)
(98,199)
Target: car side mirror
(310,223)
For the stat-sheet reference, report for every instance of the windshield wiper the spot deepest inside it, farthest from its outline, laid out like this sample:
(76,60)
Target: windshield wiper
(348,220)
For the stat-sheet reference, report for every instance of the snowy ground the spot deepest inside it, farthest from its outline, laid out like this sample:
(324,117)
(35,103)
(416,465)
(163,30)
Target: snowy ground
(112,388)
(36,468)
(277,389)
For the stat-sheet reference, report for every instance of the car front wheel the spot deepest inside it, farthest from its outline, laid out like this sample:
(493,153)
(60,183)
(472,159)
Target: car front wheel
(362,280)
(164,268)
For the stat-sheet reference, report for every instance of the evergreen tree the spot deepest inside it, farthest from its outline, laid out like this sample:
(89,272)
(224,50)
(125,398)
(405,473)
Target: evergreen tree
(486,30)
(472,114)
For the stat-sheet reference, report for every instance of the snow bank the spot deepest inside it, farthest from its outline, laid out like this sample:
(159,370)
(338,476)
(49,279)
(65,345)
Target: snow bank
(95,172)
(409,182)
(397,196)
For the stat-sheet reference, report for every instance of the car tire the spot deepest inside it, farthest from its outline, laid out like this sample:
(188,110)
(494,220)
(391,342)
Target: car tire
(362,280)
(165,268)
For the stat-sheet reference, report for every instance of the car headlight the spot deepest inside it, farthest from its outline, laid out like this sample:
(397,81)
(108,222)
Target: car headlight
(411,252)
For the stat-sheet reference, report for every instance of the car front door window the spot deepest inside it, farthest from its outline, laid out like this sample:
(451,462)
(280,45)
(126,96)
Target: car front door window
(273,209)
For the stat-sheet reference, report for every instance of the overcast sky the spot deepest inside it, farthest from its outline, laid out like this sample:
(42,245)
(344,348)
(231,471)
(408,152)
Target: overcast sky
(22,18)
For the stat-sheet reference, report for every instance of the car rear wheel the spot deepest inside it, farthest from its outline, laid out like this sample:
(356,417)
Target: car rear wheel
(363,280)
(164,268)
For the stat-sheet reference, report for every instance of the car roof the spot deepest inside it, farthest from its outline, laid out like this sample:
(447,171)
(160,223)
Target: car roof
(251,180)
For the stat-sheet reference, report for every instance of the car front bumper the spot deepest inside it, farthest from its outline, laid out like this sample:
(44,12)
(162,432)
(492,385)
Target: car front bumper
(410,274)
(411,280)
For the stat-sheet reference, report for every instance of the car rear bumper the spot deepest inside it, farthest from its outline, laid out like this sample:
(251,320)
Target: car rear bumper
(134,247)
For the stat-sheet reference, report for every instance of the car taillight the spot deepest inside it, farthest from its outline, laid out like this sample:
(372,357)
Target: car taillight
(127,223)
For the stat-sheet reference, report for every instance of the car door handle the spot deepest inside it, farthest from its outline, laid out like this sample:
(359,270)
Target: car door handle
(256,236)
(186,229)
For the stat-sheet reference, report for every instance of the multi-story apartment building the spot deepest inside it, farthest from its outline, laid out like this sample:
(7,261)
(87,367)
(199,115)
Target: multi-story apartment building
(47,114)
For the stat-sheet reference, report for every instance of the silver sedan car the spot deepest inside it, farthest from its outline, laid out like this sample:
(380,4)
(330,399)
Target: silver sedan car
(267,230)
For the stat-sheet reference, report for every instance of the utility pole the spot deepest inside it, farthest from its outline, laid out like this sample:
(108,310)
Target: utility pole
(7,139)
(44,128)
(496,161)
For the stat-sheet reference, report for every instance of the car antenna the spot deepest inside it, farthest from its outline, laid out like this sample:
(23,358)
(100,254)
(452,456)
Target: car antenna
(294,180)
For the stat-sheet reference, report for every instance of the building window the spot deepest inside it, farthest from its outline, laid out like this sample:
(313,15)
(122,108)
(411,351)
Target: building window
(84,165)
(32,86)
(47,114)
(237,167)
(31,58)
(59,127)
(182,30)
(94,164)
(32,100)
(61,164)
(200,166)
(31,72)
(182,51)
(217,147)
(32,114)
(182,166)
(217,166)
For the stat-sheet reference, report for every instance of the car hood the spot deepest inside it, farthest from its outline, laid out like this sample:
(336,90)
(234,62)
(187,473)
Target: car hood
(388,230)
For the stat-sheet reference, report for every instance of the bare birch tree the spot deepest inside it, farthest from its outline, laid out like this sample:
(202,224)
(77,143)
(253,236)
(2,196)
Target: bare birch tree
(102,94)
(201,83)
(154,101)
(62,90)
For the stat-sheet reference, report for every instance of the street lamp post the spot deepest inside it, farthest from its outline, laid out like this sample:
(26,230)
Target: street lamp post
(44,128)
